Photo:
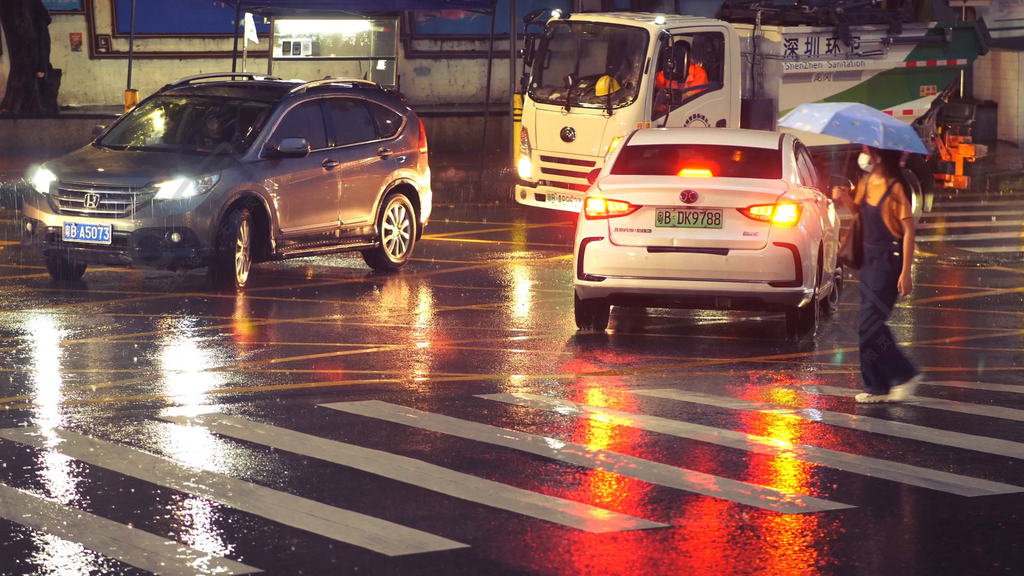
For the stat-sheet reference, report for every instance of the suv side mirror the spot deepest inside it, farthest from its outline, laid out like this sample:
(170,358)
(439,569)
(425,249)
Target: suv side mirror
(291,148)
(96,131)
(592,176)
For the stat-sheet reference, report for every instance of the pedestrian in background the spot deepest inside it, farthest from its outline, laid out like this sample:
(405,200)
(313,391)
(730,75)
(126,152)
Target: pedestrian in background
(887,221)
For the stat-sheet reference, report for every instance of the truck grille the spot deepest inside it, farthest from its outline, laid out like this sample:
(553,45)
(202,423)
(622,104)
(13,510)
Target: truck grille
(99,201)
(560,172)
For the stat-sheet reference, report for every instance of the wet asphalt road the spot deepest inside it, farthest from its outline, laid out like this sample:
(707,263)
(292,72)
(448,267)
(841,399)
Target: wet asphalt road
(448,419)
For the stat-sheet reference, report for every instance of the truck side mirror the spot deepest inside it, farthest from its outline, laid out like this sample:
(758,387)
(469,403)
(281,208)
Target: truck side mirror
(592,176)
(530,50)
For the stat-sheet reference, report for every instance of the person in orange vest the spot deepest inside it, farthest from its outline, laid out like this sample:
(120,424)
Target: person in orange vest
(695,76)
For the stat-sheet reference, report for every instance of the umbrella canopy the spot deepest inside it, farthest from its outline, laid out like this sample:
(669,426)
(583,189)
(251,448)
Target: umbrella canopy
(857,123)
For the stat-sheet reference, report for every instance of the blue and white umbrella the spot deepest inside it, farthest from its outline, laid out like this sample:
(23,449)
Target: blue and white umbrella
(857,123)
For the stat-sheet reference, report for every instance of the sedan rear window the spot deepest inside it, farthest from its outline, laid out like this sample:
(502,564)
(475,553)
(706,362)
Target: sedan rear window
(699,160)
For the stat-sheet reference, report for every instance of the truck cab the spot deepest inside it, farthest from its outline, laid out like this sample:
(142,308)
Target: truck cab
(597,77)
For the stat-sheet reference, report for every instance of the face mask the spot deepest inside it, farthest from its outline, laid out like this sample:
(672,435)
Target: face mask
(864,161)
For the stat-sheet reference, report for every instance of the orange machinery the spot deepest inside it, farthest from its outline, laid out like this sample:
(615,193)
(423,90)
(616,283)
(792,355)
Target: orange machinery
(947,126)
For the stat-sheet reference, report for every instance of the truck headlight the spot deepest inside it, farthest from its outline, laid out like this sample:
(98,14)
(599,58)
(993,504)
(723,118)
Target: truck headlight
(41,180)
(525,168)
(182,188)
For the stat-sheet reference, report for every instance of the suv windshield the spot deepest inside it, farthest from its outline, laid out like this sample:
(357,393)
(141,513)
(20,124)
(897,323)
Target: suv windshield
(188,123)
(591,65)
(700,160)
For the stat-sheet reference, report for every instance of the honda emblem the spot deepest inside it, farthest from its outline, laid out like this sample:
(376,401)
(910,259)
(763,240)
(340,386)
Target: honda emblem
(92,200)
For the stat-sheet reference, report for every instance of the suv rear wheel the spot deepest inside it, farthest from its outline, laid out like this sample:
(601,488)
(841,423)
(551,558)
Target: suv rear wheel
(397,225)
(64,270)
(233,256)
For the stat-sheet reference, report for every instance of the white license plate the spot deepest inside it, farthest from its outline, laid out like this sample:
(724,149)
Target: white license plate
(87,233)
(566,200)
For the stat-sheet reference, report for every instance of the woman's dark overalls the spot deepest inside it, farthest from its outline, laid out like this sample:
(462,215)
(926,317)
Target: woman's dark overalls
(882,364)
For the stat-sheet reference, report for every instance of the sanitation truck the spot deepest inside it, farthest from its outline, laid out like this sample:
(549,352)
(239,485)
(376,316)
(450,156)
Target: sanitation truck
(596,77)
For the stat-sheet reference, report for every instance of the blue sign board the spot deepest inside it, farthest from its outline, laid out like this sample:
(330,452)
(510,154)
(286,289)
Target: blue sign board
(463,23)
(62,5)
(180,17)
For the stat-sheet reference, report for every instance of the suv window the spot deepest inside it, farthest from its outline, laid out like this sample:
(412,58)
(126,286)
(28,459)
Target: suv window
(351,121)
(304,121)
(389,122)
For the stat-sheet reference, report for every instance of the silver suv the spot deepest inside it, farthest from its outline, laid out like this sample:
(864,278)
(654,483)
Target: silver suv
(223,170)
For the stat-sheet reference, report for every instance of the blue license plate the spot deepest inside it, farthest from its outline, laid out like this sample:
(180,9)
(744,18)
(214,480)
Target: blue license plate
(87,233)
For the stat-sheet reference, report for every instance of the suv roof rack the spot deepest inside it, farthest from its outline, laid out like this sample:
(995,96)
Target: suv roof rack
(352,82)
(247,75)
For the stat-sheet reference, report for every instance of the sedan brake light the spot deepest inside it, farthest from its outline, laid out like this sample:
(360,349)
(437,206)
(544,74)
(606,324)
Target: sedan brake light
(783,213)
(602,208)
(695,173)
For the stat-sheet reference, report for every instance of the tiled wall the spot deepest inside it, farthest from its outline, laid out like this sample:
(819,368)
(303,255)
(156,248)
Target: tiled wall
(999,76)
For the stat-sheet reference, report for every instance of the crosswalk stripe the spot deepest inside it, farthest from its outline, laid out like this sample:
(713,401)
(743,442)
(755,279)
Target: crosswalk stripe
(425,475)
(346,526)
(983,204)
(935,403)
(129,545)
(983,224)
(605,460)
(854,422)
(876,468)
(996,249)
(958,213)
(1012,388)
(968,237)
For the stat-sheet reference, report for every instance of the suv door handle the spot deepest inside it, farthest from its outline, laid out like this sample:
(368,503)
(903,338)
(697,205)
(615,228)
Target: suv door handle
(330,164)
(384,153)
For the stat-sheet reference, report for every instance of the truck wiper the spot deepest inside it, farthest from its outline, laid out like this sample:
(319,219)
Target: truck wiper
(568,94)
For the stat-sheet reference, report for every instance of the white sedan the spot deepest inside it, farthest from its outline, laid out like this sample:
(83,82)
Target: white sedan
(708,219)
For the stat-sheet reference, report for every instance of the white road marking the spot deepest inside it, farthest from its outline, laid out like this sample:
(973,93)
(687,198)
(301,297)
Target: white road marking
(876,468)
(853,422)
(1017,223)
(970,237)
(956,214)
(996,249)
(1012,388)
(579,455)
(346,526)
(422,474)
(935,403)
(129,545)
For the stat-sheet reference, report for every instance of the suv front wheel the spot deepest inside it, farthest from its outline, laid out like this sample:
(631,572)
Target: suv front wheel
(397,225)
(233,257)
(64,270)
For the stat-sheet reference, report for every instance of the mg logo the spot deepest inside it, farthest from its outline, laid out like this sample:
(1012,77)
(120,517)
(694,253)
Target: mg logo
(92,200)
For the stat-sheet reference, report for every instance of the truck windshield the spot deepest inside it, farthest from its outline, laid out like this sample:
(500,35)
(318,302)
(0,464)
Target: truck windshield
(590,65)
(189,123)
(702,160)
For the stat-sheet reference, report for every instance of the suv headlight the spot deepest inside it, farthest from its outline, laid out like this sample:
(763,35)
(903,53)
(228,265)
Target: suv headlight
(41,180)
(182,188)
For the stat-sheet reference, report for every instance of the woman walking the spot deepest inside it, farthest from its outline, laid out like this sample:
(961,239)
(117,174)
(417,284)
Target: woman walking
(887,219)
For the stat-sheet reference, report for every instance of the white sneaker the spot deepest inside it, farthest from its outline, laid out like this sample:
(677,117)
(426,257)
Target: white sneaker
(866,398)
(907,389)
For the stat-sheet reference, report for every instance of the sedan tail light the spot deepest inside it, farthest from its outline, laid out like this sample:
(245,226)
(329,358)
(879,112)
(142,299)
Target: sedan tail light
(783,213)
(602,208)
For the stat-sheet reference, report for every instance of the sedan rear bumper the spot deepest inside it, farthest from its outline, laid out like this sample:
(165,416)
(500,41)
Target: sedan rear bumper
(771,278)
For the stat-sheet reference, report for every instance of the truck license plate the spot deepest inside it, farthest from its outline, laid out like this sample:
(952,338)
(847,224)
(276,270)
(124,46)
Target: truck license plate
(683,218)
(87,233)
